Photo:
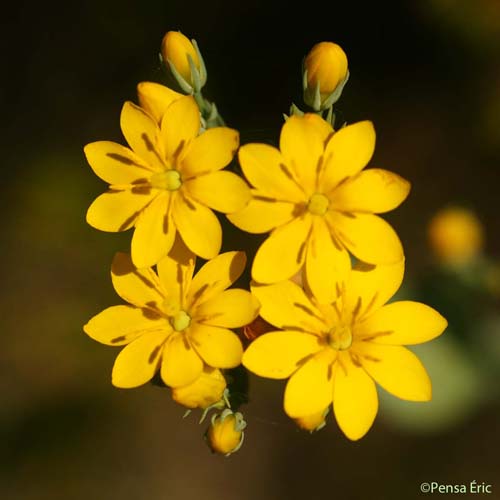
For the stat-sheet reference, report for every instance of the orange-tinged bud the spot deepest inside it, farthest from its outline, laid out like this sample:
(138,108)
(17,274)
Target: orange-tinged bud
(455,235)
(326,64)
(225,434)
(206,390)
(176,48)
(313,422)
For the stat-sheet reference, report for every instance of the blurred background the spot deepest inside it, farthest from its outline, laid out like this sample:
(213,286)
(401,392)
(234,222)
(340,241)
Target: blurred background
(427,73)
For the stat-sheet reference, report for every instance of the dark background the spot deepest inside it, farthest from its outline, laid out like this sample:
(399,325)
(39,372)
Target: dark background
(426,72)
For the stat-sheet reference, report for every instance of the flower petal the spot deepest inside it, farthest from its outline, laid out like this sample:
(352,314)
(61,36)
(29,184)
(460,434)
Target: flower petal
(221,191)
(355,399)
(347,153)
(199,227)
(218,347)
(285,305)
(140,287)
(181,365)
(179,126)
(396,369)
(215,276)
(310,388)
(367,236)
(370,287)
(175,272)
(115,210)
(154,233)
(278,354)
(265,169)
(327,265)
(404,322)
(229,309)
(120,325)
(262,215)
(156,98)
(115,163)
(142,134)
(283,253)
(210,151)
(137,362)
(373,190)
(302,143)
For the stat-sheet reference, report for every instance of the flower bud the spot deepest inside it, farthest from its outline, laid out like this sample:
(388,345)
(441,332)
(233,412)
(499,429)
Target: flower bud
(205,391)
(324,76)
(225,434)
(313,422)
(455,235)
(184,60)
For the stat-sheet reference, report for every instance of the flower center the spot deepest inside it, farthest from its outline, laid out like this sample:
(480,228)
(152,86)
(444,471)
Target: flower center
(340,338)
(180,321)
(318,204)
(169,180)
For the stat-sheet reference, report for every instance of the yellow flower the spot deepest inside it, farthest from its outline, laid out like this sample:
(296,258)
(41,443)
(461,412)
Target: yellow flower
(319,204)
(156,98)
(313,422)
(225,433)
(455,235)
(177,323)
(325,67)
(167,182)
(336,352)
(206,390)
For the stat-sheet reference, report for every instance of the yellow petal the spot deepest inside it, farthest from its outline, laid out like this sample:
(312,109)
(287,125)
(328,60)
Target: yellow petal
(262,215)
(179,126)
(327,266)
(198,226)
(310,388)
(285,305)
(222,191)
(118,210)
(138,287)
(154,233)
(215,276)
(283,253)
(229,309)
(404,322)
(396,369)
(137,362)
(206,390)
(218,347)
(142,134)
(181,364)
(175,272)
(279,354)
(302,143)
(120,325)
(156,98)
(355,399)
(210,151)
(265,169)
(373,190)
(115,163)
(347,153)
(370,287)
(367,236)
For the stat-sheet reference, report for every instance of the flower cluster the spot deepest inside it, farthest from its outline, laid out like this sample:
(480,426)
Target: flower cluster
(316,312)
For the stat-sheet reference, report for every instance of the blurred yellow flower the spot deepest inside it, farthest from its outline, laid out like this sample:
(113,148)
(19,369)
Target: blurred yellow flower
(336,352)
(177,323)
(455,235)
(168,181)
(176,49)
(319,204)
(225,433)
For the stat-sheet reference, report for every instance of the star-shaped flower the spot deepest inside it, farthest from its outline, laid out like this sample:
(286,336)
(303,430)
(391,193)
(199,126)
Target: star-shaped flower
(319,204)
(336,352)
(175,322)
(168,180)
